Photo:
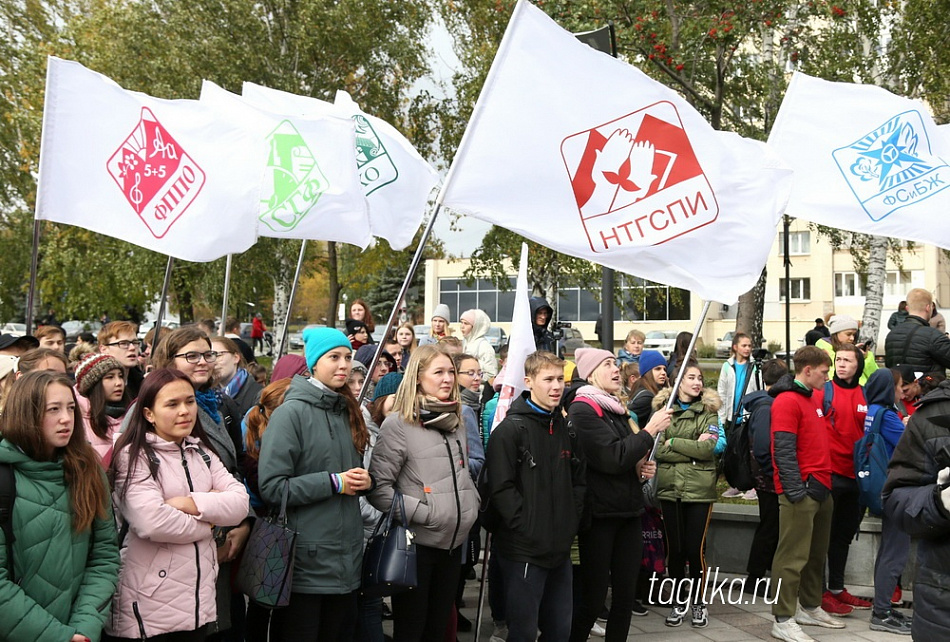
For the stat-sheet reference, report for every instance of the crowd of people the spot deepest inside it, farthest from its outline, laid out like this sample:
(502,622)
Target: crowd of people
(130,479)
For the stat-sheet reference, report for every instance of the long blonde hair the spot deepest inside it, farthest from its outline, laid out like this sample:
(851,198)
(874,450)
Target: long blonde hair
(409,395)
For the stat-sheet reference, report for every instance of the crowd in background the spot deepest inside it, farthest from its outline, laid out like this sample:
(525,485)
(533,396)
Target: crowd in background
(139,473)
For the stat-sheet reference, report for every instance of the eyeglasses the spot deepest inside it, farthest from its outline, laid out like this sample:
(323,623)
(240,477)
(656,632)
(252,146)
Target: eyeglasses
(474,374)
(194,357)
(125,345)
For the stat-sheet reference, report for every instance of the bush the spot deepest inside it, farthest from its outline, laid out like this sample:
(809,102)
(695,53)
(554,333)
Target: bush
(774,346)
(706,352)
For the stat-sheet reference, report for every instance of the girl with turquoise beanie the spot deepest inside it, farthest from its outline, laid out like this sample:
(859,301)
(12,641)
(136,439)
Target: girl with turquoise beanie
(313,450)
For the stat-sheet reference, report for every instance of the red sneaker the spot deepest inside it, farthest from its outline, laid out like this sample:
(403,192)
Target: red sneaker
(854,602)
(831,605)
(898,596)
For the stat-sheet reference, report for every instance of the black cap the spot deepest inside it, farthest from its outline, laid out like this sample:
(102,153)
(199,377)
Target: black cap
(27,341)
(911,374)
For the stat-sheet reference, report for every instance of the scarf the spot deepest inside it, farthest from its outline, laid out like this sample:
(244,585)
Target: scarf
(472,399)
(208,401)
(439,415)
(237,382)
(606,401)
(116,412)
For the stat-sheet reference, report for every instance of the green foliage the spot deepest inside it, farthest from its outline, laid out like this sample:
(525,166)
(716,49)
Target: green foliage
(374,50)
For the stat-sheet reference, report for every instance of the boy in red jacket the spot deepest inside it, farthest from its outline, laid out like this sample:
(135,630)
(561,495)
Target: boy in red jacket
(802,462)
(844,397)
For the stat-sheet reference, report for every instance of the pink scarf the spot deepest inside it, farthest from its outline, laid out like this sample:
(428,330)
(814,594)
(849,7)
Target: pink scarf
(602,399)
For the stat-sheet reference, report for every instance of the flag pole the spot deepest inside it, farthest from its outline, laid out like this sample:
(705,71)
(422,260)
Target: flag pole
(34,257)
(161,303)
(282,340)
(680,371)
(416,259)
(224,298)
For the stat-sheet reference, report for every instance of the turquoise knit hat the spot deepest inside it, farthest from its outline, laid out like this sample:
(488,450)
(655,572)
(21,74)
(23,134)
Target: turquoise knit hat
(319,341)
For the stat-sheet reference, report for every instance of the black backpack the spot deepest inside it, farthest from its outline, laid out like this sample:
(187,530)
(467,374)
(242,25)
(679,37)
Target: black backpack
(7,498)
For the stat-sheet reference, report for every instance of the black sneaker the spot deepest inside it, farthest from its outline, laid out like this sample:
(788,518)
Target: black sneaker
(700,619)
(639,610)
(890,622)
(676,616)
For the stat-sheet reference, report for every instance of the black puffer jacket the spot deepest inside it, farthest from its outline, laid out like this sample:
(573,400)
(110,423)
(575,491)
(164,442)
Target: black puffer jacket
(611,450)
(758,405)
(536,483)
(912,498)
(928,349)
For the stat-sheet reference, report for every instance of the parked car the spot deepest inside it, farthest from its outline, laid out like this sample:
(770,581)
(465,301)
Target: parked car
(571,342)
(421,331)
(496,338)
(145,327)
(660,340)
(16,329)
(724,345)
(74,328)
(295,339)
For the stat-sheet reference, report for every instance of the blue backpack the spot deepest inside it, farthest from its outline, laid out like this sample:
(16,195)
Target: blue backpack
(870,464)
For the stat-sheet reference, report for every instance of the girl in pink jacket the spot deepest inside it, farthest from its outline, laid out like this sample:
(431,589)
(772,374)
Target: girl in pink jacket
(103,399)
(171,490)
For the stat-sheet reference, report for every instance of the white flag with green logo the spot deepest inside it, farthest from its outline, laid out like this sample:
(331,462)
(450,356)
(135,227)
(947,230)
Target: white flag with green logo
(311,189)
(396,180)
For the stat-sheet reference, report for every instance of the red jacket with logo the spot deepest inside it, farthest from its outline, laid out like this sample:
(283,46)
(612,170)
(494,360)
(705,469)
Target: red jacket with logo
(845,425)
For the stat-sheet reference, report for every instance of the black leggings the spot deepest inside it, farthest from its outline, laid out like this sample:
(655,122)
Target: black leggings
(422,614)
(611,551)
(309,618)
(845,521)
(686,524)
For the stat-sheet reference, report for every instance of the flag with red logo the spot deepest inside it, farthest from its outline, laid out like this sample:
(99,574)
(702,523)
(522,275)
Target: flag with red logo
(311,188)
(520,343)
(396,180)
(587,155)
(865,160)
(167,175)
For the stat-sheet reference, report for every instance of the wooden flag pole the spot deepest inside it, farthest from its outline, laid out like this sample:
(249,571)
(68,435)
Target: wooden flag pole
(224,298)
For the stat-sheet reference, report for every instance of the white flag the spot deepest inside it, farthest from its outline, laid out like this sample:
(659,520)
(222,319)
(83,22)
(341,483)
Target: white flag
(167,175)
(587,155)
(396,180)
(865,160)
(520,343)
(311,188)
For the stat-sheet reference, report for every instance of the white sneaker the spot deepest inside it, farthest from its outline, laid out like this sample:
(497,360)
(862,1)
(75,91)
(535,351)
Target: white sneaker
(597,630)
(500,634)
(790,631)
(750,496)
(817,617)
(732,492)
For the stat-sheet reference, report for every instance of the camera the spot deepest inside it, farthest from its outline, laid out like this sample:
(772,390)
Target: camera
(558,329)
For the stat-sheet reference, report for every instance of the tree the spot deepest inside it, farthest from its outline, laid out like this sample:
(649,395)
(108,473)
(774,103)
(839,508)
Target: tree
(375,51)
(729,62)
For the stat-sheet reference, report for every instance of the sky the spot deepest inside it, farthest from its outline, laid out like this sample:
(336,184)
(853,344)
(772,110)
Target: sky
(469,231)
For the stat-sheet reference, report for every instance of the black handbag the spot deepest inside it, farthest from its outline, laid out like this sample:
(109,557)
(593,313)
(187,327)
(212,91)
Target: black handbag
(389,562)
(265,575)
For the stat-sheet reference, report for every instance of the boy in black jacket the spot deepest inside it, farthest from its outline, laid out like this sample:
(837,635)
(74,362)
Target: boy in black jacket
(536,485)
(758,405)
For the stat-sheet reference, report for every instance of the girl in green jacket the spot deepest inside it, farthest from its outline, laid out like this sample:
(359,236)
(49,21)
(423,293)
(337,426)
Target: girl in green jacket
(58,576)
(686,487)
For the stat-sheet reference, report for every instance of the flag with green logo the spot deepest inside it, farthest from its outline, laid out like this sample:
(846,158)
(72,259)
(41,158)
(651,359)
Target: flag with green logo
(394,177)
(311,189)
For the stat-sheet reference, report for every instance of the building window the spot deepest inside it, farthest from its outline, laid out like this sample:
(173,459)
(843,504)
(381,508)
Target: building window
(798,243)
(648,301)
(481,294)
(899,283)
(799,289)
(848,284)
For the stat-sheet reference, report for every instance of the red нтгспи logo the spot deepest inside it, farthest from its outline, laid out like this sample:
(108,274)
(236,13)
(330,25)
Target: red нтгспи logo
(637,181)
(158,178)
